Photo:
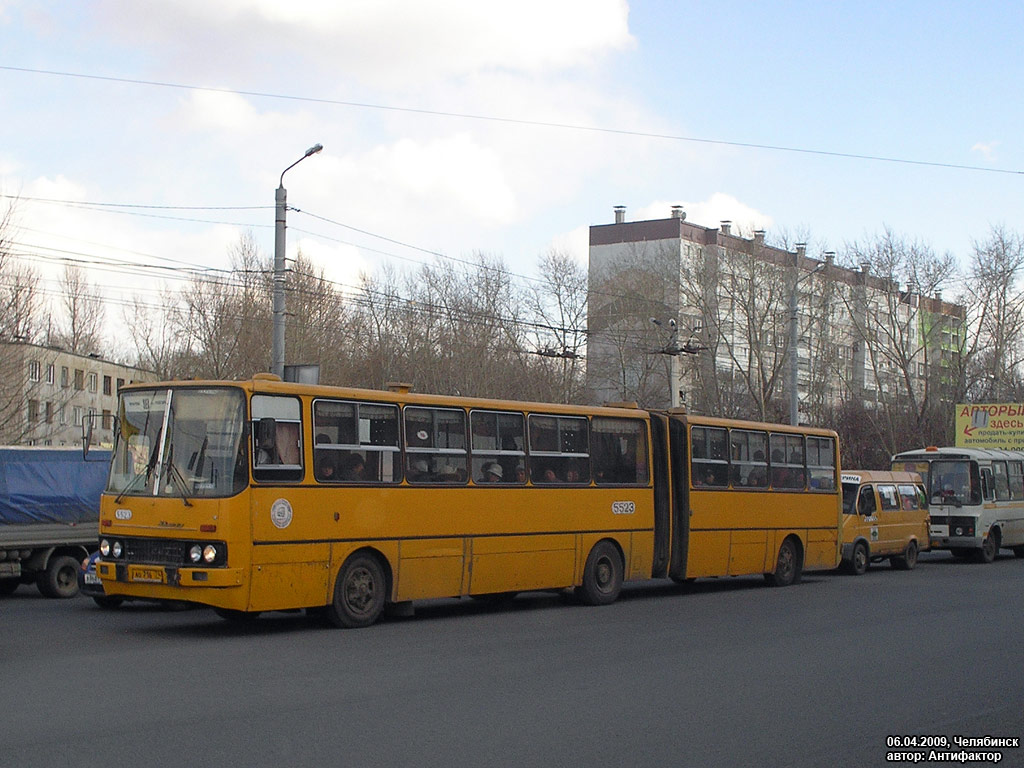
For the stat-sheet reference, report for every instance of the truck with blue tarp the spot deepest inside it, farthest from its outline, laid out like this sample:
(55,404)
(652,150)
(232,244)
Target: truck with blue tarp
(49,516)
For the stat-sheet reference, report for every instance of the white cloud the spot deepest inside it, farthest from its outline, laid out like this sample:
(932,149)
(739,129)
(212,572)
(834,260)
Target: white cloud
(711,213)
(375,41)
(576,243)
(987,149)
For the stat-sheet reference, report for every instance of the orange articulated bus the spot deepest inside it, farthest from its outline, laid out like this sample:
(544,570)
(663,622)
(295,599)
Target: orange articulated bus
(264,495)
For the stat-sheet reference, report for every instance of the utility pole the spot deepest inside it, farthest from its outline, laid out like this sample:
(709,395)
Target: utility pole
(794,331)
(281,208)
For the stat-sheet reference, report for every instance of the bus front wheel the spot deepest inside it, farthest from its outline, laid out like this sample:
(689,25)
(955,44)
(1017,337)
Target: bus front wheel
(989,548)
(359,593)
(602,575)
(787,566)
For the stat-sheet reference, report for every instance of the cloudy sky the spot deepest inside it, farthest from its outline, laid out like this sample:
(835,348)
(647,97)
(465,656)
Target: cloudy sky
(147,132)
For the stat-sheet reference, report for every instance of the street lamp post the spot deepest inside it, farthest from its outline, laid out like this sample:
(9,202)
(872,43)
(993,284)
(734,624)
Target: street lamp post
(281,199)
(794,334)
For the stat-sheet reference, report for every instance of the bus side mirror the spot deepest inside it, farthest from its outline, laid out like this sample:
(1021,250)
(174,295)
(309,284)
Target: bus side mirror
(86,436)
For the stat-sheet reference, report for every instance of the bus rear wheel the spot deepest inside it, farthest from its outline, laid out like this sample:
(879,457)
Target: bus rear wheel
(359,592)
(602,575)
(908,559)
(787,566)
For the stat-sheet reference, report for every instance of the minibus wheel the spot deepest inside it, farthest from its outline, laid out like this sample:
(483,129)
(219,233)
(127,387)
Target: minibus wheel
(359,592)
(859,561)
(908,559)
(602,575)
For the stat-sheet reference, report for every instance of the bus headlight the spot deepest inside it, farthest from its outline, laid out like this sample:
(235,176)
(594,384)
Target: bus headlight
(104,547)
(115,550)
(209,553)
(196,553)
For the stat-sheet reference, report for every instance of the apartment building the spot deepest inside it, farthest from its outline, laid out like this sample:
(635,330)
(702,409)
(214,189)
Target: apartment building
(46,392)
(685,314)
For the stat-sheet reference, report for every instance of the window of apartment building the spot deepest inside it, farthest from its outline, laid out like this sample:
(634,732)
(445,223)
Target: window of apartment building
(93,382)
(79,379)
(107,383)
(107,418)
(51,374)
(64,377)
(63,417)
(33,411)
(33,370)
(48,410)
(92,415)
(76,416)
(120,383)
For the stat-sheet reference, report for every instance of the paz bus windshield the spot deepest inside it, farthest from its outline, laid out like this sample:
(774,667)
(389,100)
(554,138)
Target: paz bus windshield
(954,482)
(183,442)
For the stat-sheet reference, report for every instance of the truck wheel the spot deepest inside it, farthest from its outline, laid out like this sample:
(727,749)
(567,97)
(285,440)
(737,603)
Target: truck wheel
(60,579)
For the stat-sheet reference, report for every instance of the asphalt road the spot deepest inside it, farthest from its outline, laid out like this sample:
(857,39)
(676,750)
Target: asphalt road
(725,673)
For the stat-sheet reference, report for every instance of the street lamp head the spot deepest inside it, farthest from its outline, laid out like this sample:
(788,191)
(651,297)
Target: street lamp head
(313,150)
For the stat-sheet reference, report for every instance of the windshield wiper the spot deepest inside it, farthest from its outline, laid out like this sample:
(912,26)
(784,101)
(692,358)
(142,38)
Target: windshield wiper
(179,481)
(144,472)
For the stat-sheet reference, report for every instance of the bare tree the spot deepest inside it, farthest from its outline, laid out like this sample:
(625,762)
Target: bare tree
(558,305)
(993,292)
(81,327)
(901,366)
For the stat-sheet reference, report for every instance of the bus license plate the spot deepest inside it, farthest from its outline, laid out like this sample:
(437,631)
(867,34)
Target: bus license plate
(149,575)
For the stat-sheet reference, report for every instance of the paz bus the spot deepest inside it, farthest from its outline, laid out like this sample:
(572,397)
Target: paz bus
(264,495)
(976,498)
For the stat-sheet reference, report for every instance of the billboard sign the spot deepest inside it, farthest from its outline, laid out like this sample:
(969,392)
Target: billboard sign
(990,425)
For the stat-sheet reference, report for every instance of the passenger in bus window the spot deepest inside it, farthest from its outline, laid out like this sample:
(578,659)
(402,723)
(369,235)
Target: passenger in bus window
(353,467)
(520,474)
(324,465)
(758,477)
(780,475)
(492,473)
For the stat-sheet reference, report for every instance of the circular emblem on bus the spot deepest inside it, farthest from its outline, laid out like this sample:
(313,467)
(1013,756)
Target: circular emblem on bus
(422,434)
(281,513)
(123,514)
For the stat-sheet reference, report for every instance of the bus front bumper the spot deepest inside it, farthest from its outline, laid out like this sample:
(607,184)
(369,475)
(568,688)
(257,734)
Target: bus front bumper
(167,575)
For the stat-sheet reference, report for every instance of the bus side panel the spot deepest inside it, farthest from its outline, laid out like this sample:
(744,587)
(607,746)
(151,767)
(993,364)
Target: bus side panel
(430,568)
(287,575)
(820,550)
(662,495)
(518,563)
(679,463)
(747,552)
(708,554)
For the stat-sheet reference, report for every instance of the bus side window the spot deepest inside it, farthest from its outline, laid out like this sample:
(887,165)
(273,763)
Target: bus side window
(866,501)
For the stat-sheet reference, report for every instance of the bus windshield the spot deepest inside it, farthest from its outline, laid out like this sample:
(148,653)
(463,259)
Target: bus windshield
(179,442)
(954,482)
